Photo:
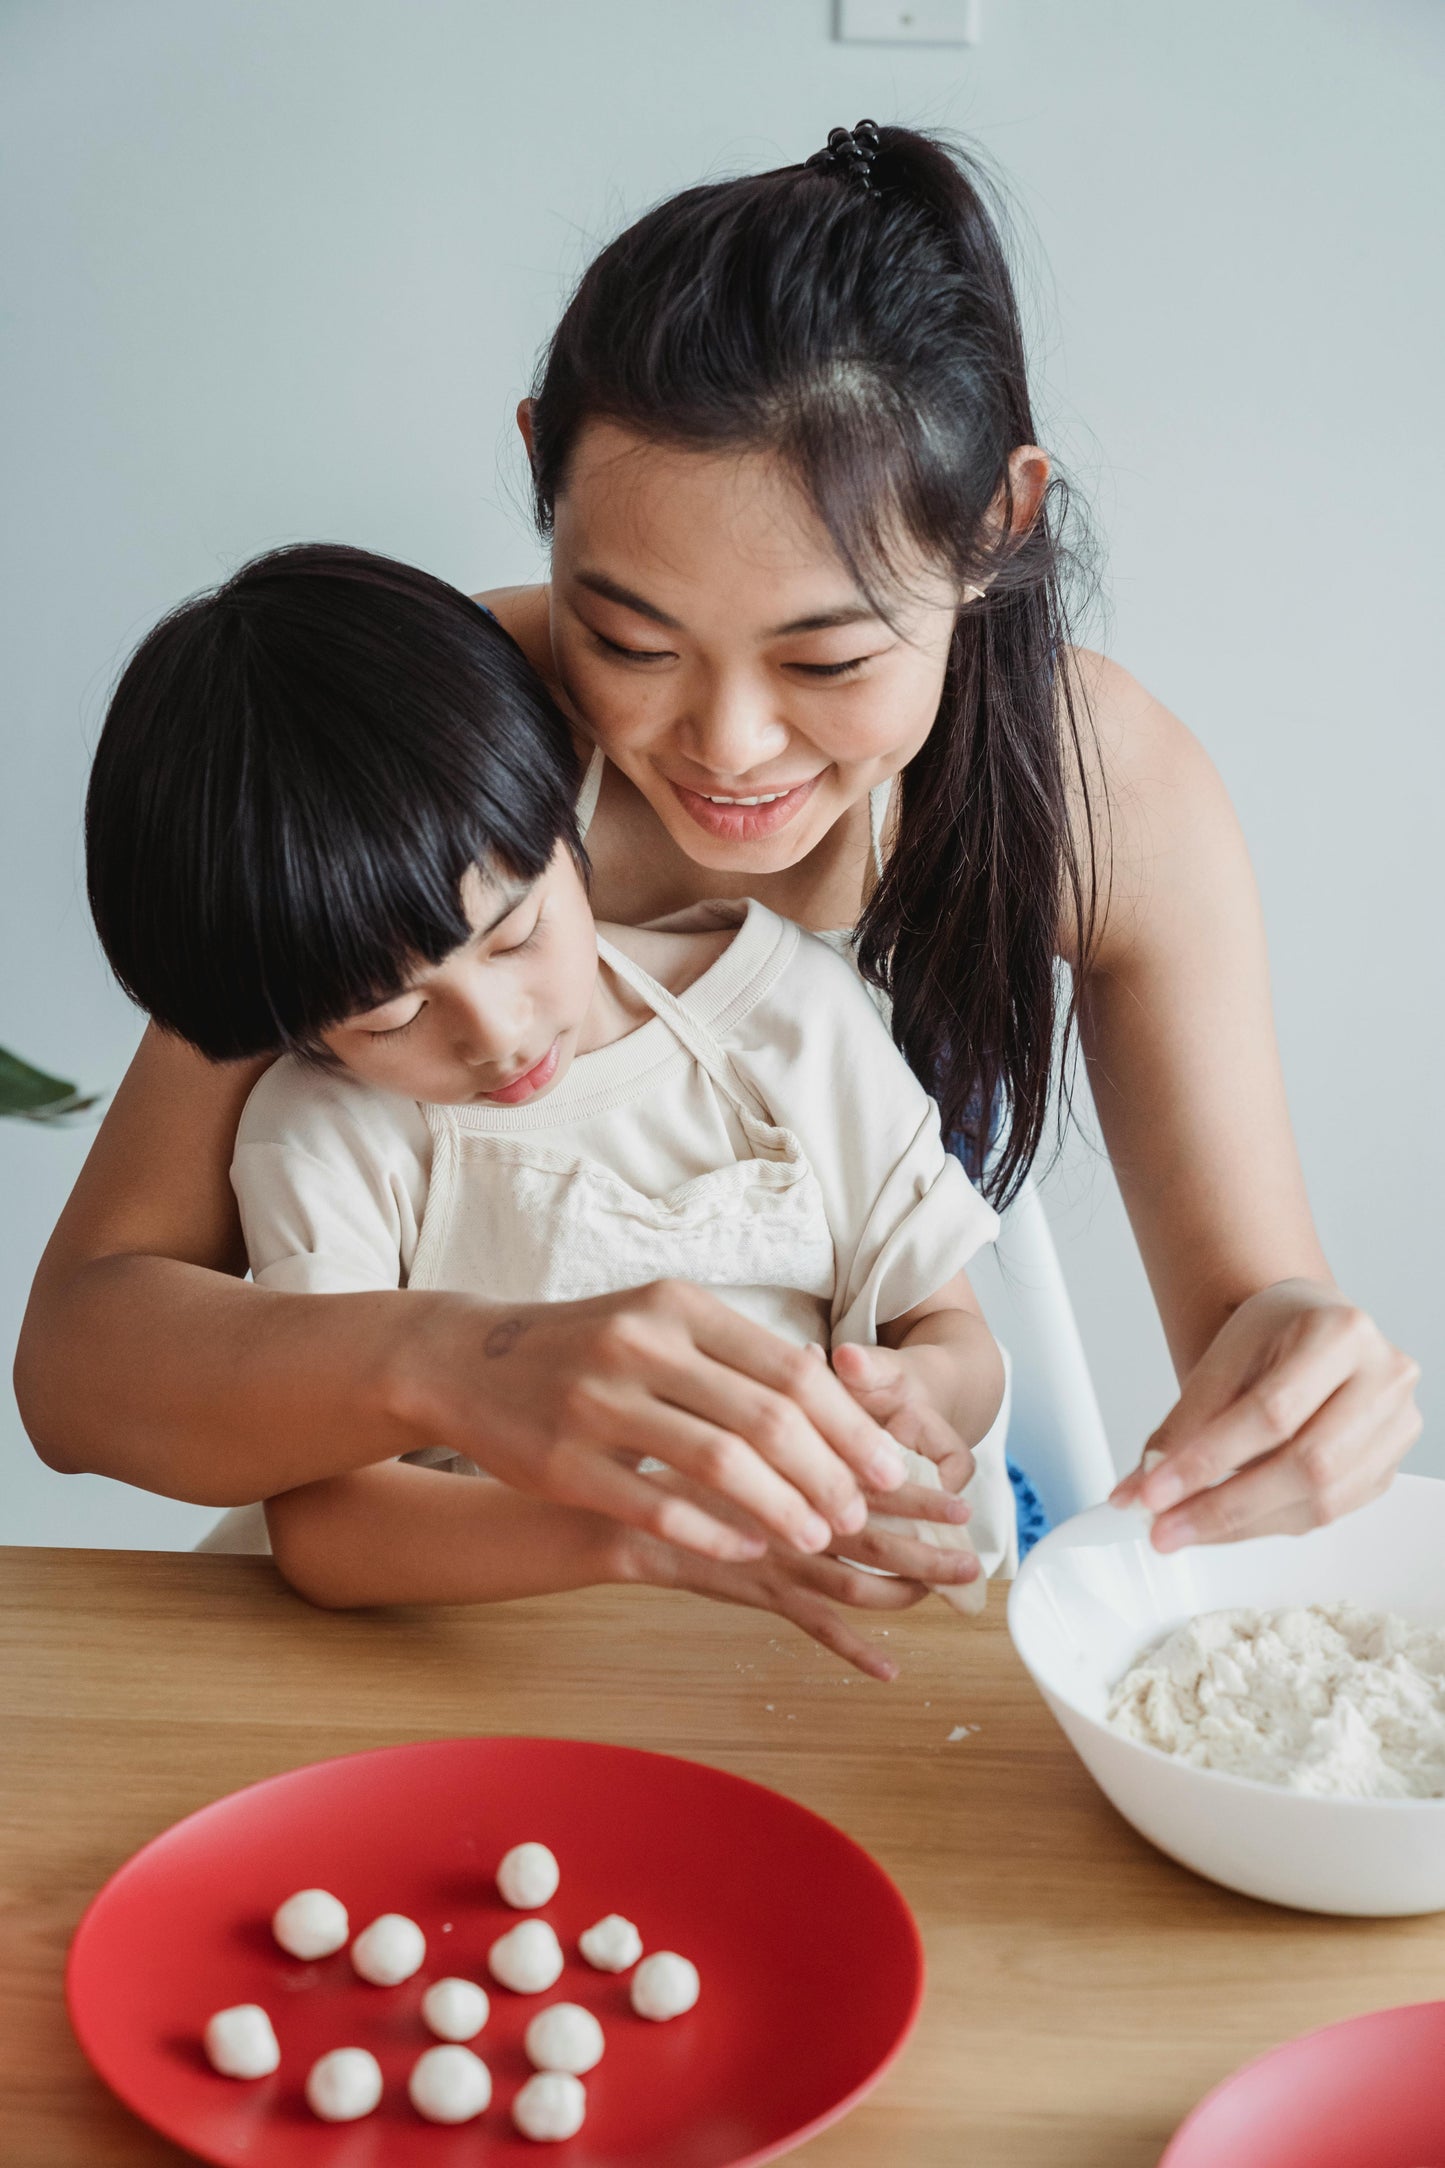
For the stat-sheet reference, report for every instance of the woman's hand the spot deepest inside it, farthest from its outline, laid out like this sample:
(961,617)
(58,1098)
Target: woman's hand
(1298,1412)
(814,1594)
(558,1398)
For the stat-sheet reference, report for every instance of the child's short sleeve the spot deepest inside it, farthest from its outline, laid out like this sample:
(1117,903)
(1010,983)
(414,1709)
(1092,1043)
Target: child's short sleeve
(331,1179)
(905,1217)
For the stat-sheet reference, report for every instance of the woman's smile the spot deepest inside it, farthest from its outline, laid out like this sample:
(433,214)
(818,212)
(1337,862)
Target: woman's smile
(739,817)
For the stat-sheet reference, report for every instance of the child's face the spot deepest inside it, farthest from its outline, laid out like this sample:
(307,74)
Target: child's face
(499,1019)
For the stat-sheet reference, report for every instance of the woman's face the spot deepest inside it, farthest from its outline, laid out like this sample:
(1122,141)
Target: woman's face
(723,656)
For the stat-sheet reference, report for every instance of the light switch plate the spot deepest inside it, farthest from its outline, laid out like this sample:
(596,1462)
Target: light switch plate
(907,22)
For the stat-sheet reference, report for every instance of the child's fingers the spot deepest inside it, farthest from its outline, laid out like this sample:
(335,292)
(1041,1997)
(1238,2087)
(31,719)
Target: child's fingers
(844,1581)
(832,1631)
(913,1557)
(917,1502)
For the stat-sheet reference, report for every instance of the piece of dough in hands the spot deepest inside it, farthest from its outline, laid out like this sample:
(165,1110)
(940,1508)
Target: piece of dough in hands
(970,1597)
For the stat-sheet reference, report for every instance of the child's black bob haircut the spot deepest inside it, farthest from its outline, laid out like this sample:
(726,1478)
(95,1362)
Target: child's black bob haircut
(295,774)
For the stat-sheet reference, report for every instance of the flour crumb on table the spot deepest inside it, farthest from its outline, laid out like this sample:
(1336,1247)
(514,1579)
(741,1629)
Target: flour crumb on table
(389,1951)
(311,1924)
(551,2106)
(664,1985)
(455,2009)
(528,1958)
(564,2037)
(611,1944)
(528,1877)
(449,2085)
(344,2085)
(1329,1700)
(241,2042)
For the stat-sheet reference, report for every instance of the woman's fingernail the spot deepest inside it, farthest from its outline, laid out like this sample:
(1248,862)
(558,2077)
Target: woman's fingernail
(815,1534)
(853,1517)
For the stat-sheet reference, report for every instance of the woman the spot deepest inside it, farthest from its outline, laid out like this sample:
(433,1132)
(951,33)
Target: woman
(806,612)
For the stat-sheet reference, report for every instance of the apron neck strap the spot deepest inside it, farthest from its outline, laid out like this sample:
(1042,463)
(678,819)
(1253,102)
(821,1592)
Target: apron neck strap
(689,1030)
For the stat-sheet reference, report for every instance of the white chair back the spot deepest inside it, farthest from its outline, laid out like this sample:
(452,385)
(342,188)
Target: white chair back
(1056,1432)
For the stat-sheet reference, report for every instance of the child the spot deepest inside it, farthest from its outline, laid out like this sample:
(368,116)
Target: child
(331,818)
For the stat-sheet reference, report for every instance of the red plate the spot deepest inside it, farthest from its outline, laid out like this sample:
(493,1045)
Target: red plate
(812,1971)
(1365,2094)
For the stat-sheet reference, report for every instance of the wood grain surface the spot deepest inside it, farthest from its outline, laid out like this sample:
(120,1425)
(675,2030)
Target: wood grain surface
(1083,1991)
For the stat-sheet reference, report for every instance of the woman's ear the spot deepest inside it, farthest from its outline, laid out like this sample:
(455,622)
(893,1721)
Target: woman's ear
(524,423)
(1028,474)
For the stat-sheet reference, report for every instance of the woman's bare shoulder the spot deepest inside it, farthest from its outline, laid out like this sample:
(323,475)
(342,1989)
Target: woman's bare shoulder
(1145,795)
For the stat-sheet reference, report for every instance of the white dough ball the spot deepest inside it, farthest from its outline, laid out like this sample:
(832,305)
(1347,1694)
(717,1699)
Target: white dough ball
(313,1923)
(528,1958)
(564,2037)
(455,2009)
(449,2085)
(612,1944)
(344,2085)
(550,2106)
(528,1877)
(664,1985)
(389,1950)
(240,2042)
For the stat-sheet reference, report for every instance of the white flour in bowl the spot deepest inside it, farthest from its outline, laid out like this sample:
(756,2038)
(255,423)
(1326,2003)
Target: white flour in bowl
(1329,1699)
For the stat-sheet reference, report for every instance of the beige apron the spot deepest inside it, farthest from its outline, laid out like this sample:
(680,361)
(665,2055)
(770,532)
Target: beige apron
(525,1219)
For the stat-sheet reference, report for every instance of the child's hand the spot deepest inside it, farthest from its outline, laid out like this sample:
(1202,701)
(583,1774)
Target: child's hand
(806,1591)
(892,1385)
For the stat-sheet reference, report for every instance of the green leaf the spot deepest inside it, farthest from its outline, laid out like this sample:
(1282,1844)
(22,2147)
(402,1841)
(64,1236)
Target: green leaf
(31,1092)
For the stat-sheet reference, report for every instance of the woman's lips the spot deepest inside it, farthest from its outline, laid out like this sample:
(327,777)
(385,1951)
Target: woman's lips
(741,823)
(532,1080)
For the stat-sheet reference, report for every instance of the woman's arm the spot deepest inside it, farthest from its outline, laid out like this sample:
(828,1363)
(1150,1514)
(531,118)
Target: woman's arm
(1282,1376)
(145,1356)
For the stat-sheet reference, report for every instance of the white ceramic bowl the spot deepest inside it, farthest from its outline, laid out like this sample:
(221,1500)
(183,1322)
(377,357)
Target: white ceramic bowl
(1094,1594)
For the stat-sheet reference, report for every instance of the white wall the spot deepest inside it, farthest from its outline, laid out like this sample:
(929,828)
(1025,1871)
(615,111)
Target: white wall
(279,268)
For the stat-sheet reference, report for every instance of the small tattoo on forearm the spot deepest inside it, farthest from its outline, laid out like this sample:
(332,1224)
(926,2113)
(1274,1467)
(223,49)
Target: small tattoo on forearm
(503,1338)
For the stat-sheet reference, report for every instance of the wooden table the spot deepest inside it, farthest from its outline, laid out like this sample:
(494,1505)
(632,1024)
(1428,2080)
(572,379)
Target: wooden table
(1083,1991)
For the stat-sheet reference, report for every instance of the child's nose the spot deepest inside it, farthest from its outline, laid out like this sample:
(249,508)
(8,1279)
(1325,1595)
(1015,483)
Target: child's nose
(484,1032)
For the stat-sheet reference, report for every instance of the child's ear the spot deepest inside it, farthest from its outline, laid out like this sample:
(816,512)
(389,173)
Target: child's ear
(524,423)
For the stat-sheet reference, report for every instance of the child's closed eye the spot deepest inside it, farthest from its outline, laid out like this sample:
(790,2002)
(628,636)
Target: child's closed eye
(396,1031)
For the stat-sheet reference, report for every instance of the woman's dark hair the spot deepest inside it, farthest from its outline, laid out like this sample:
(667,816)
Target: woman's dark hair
(855,316)
(295,775)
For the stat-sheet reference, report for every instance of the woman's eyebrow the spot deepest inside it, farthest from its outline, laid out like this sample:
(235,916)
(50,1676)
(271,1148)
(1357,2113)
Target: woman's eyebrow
(847,613)
(613,591)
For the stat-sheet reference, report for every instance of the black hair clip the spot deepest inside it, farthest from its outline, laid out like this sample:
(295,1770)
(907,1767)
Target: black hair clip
(850,151)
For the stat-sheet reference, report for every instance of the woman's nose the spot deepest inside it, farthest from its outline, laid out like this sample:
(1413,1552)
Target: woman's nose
(732,728)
